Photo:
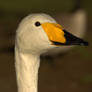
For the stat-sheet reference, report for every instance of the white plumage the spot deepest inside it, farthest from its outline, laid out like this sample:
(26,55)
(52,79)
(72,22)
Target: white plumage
(32,40)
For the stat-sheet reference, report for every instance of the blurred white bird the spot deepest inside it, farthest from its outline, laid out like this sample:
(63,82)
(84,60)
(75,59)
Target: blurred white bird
(74,23)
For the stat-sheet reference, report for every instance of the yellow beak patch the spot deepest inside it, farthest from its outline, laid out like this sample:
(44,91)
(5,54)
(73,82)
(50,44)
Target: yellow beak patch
(54,32)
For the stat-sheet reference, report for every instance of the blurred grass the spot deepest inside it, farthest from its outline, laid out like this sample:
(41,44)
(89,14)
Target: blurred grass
(84,52)
(36,5)
(41,5)
(87,78)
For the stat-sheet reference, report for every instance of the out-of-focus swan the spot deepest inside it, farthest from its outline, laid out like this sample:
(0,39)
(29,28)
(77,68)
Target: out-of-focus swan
(74,23)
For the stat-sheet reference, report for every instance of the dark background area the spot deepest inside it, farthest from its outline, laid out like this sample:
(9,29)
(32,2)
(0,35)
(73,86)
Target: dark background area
(68,72)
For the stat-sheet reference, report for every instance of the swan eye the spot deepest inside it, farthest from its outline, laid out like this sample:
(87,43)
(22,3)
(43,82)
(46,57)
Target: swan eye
(37,24)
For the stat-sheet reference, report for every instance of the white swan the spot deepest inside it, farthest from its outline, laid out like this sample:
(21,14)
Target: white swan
(37,34)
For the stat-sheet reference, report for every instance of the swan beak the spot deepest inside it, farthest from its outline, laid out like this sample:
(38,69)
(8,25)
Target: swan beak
(58,36)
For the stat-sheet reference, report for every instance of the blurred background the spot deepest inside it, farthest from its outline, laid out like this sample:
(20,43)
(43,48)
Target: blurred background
(70,71)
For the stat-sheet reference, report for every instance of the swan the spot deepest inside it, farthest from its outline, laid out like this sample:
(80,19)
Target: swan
(74,22)
(37,34)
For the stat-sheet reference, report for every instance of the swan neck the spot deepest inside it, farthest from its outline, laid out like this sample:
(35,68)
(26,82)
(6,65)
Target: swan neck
(27,66)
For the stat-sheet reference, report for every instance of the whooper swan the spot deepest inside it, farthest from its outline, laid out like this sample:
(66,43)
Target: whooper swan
(37,34)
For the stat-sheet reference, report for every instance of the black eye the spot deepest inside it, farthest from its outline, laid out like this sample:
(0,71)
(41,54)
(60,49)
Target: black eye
(37,23)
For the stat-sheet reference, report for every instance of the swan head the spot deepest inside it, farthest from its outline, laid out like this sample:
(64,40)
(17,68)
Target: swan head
(37,33)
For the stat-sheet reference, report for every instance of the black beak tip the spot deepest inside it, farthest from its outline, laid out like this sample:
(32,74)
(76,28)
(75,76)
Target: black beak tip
(73,40)
(84,43)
